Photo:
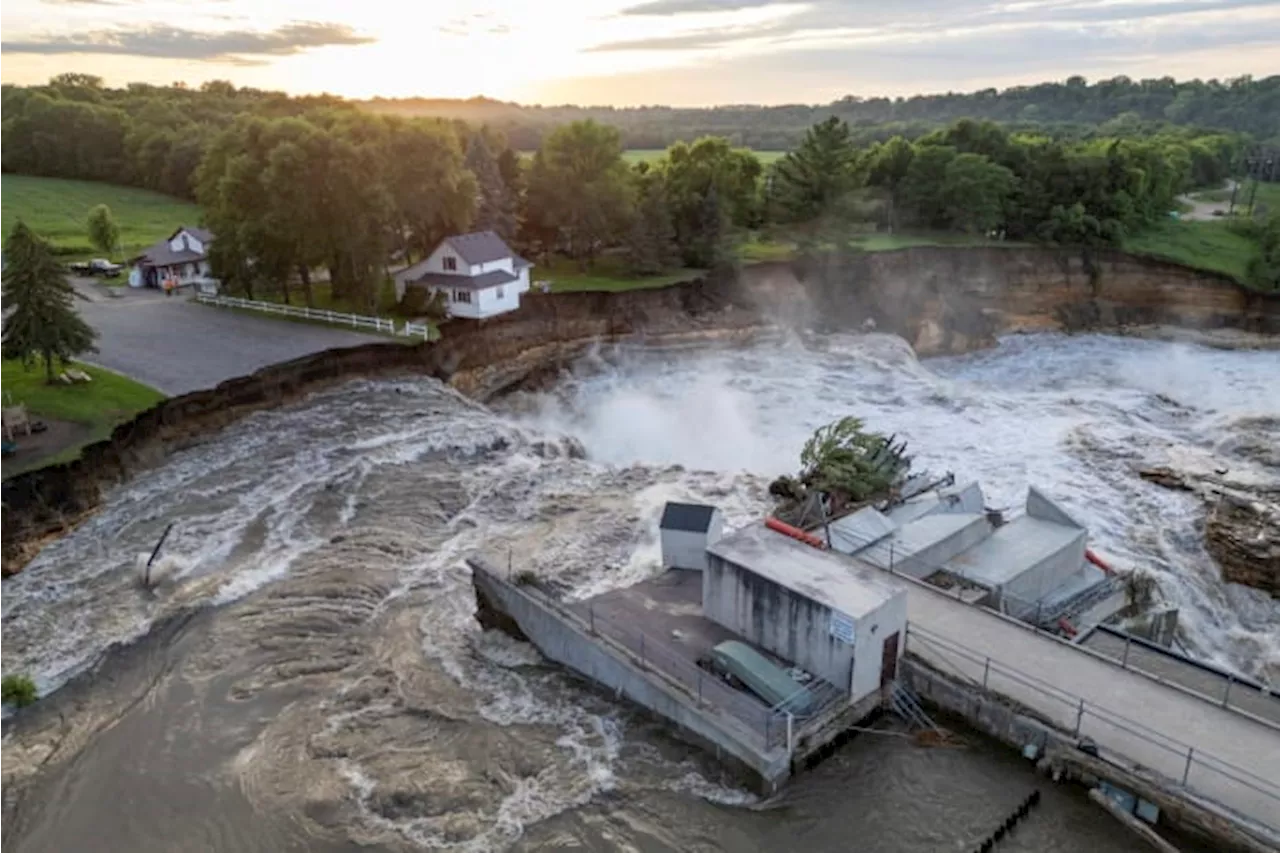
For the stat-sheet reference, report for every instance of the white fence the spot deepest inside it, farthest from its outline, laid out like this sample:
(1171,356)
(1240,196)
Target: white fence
(338,318)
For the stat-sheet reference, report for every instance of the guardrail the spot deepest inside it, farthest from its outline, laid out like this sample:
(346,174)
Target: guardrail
(1197,771)
(338,318)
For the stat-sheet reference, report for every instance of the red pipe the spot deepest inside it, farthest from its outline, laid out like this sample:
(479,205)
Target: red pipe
(1098,561)
(795,533)
(1067,627)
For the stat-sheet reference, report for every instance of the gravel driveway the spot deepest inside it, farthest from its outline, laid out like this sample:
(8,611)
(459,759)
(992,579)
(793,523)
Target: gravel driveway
(177,346)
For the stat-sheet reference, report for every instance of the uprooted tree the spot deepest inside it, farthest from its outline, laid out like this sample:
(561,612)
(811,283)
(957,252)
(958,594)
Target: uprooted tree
(845,464)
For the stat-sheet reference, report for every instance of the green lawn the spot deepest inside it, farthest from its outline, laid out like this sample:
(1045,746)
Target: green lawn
(778,246)
(1206,245)
(99,405)
(606,273)
(1268,194)
(322,297)
(57,210)
(637,155)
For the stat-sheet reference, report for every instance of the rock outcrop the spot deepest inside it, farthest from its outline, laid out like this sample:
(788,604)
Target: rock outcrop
(1243,536)
(942,300)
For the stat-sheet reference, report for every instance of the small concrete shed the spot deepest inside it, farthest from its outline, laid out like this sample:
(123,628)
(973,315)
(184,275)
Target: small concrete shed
(840,620)
(687,530)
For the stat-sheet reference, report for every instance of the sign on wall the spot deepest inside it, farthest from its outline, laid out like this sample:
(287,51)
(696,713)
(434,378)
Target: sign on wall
(842,627)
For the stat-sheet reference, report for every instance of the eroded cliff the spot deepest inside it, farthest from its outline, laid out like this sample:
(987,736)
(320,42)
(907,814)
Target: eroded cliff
(941,300)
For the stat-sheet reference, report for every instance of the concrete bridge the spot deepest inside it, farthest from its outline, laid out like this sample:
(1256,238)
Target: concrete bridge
(1214,752)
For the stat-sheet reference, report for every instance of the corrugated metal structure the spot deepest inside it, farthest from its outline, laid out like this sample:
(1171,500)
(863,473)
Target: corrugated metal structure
(1032,567)
(833,618)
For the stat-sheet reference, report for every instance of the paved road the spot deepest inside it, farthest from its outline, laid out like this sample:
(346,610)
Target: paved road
(177,346)
(1203,211)
(1252,748)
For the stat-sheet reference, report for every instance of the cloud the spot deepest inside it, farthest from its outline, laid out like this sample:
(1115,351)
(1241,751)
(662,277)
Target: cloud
(677,7)
(951,58)
(856,22)
(168,42)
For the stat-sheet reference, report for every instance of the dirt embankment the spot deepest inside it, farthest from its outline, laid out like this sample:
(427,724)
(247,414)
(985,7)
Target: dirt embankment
(941,300)
(946,300)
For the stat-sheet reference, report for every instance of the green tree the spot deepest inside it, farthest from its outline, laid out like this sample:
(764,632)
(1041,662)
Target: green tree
(104,234)
(1264,267)
(888,168)
(651,244)
(813,182)
(579,186)
(922,186)
(691,172)
(846,459)
(975,192)
(42,323)
(495,204)
(18,691)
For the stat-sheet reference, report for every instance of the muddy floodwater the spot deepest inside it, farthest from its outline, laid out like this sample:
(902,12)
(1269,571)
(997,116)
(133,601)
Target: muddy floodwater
(309,675)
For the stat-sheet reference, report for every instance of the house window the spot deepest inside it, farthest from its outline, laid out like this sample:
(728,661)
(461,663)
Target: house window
(462,296)
(450,263)
(502,293)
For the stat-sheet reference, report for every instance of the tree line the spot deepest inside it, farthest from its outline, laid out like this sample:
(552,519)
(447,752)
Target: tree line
(1073,109)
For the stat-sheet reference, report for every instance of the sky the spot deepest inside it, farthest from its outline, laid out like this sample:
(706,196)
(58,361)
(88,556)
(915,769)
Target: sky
(628,52)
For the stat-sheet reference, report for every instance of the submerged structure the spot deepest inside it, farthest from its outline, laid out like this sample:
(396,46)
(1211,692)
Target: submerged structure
(765,655)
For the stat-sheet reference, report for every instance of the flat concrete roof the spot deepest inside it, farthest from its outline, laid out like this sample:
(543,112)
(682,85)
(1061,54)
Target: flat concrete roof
(834,580)
(1012,549)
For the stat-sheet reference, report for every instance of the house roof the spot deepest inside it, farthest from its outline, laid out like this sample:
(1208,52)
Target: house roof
(833,580)
(480,247)
(204,235)
(465,282)
(695,518)
(160,255)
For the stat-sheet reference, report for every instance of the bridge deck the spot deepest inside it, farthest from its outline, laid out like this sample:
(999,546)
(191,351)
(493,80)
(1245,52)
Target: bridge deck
(1235,760)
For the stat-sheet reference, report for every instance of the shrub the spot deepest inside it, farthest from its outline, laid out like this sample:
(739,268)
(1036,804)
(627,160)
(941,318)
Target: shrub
(18,690)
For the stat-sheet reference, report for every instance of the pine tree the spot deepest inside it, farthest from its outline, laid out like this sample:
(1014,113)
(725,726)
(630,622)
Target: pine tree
(651,242)
(43,323)
(495,204)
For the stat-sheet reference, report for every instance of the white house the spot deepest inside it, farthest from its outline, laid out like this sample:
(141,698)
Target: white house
(182,258)
(478,273)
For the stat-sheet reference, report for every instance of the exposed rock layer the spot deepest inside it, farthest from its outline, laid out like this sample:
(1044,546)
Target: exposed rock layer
(941,300)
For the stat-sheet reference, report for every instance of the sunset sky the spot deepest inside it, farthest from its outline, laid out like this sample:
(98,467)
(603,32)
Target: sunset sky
(683,52)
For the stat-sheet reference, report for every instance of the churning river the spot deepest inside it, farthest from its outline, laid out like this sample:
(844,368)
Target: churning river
(311,677)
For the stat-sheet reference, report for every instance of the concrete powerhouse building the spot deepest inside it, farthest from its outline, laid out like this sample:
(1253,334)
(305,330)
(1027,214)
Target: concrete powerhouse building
(831,624)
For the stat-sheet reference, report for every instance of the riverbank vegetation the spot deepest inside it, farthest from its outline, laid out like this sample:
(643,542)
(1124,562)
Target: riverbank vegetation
(294,185)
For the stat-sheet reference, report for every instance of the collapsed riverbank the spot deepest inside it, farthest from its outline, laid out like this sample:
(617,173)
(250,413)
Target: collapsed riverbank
(941,300)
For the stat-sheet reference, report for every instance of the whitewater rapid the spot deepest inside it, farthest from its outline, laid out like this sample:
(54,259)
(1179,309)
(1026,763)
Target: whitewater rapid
(330,536)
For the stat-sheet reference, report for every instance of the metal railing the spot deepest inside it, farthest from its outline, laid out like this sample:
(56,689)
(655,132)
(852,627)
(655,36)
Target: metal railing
(768,725)
(1143,747)
(338,318)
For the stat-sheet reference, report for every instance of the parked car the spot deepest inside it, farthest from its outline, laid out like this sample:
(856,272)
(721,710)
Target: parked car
(97,266)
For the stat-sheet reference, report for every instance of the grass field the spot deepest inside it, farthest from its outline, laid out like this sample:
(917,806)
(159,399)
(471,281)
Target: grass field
(637,155)
(606,273)
(57,210)
(98,405)
(1268,194)
(1206,245)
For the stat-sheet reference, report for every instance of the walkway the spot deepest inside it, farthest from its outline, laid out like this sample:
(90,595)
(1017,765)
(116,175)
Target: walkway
(1234,760)
(177,346)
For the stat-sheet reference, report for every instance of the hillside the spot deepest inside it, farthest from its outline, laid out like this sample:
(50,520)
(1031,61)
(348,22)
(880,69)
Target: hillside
(56,209)
(1072,107)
